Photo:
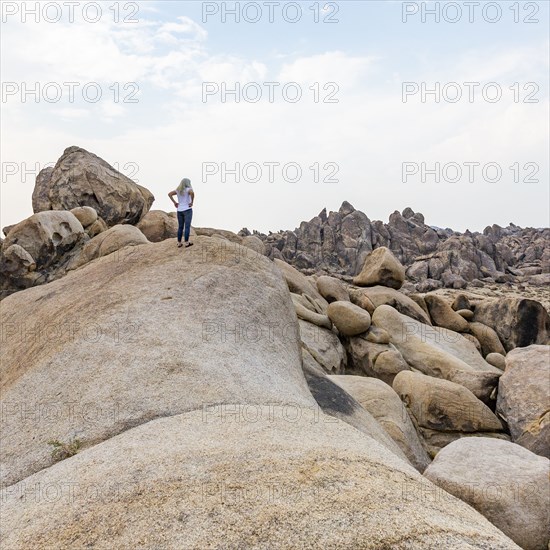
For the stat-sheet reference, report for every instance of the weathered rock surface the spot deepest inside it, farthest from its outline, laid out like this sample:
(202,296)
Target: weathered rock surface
(38,249)
(518,322)
(187,481)
(466,314)
(158,226)
(107,242)
(443,315)
(339,403)
(221,233)
(307,314)
(435,440)
(122,343)
(382,361)
(299,283)
(80,178)
(332,289)
(524,397)
(86,215)
(359,298)
(198,428)
(386,407)
(438,352)
(377,335)
(487,338)
(380,295)
(324,346)
(497,360)
(254,243)
(381,268)
(349,319)
(505,482)
(442,405)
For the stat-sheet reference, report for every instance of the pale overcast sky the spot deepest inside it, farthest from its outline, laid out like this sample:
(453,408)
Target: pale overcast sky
(152,62)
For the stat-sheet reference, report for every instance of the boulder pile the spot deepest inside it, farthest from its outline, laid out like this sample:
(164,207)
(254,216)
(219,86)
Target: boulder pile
(225,396)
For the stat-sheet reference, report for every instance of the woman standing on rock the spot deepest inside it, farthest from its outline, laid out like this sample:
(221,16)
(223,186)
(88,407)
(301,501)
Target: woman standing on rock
(186,196)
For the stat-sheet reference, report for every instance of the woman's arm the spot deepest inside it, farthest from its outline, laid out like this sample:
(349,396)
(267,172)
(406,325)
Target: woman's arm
(192,195)
(171,194)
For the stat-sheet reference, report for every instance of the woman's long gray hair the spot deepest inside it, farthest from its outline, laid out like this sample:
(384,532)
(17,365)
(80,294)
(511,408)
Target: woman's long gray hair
(184,184)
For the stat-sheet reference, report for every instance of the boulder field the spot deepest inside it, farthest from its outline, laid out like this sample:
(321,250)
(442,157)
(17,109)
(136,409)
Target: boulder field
(304,390)
(180,374)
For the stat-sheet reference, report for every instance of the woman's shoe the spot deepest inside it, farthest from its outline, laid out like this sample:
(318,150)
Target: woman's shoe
(187,245)
(179,245)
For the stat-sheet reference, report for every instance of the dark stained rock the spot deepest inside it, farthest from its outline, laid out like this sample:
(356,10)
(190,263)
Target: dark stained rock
(519,322)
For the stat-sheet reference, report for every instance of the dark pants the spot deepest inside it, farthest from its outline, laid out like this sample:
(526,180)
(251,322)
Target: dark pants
(184,219)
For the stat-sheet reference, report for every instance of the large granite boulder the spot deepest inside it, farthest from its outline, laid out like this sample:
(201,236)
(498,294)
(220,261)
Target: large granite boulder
(443,405)
(38,249)
(349,319)
(381,267)
(240,477)
(505,482)
(158,226)
(519,322)
(136,338)
(524,397)
(444,411)
(80,178)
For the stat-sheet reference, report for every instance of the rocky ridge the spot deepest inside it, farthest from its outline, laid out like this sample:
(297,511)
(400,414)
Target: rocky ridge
(338,242)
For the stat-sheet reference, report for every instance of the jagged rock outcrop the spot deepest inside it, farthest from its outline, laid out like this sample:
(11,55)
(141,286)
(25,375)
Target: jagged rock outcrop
(338,243)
